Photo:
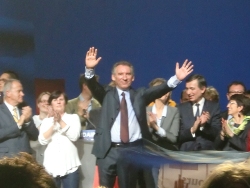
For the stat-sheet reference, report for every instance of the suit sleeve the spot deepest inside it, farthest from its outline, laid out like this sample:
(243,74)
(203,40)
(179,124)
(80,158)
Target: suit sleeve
(96,89)
(172,134)
(213,127)
(31,130)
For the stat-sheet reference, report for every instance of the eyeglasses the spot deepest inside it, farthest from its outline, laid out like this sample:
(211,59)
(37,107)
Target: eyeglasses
(236,92)
(3,80)
(43,101)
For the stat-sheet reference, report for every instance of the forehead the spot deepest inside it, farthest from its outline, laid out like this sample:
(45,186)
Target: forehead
(5,76)
(45,96)
(122,69)
(193,83)
(16,86)
(237,87)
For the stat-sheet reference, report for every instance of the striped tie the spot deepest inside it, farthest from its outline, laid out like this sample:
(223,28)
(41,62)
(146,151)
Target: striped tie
(15,116)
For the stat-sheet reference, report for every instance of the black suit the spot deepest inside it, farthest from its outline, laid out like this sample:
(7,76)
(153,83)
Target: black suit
(12,139)
(110,102)
(236,143)
(1,97)
(204,139)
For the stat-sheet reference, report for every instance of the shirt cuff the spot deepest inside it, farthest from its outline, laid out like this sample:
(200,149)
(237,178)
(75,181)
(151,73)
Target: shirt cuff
(201,128)
(89,73)
(193,135)
(161,132)
(173,82)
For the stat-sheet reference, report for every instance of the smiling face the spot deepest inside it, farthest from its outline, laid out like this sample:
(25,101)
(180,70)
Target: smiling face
(233,108)
(194,92)
(58,104)
(123,77)
(43,104)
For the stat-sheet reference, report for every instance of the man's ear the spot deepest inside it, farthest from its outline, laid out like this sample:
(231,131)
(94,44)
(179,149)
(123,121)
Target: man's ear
(112,77)
(133,78)
(203,90)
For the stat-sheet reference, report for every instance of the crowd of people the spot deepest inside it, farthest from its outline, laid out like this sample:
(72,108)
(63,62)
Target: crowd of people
(126,116)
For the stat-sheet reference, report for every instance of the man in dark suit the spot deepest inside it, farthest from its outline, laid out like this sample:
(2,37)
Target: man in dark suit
(6,75)
(199,118)
(16,125)
(110,145)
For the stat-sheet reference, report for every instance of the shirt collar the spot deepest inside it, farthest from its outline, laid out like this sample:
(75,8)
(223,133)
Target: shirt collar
(82,99)
(201,102)
(164,111)
(120,92)
(9,106)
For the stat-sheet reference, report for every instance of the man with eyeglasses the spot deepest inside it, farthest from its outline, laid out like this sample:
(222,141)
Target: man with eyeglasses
(235,87)
(5,76)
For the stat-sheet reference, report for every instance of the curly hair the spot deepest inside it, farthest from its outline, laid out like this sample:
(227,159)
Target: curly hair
(229,175)
(22,171)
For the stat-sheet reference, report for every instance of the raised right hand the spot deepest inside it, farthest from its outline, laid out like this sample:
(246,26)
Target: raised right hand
(90,60)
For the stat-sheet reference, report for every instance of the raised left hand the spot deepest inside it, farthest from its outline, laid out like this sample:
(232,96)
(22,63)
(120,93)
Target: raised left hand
(184,71)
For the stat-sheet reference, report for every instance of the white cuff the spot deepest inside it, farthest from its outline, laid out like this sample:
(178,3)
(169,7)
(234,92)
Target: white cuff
(161,132)
(89,73)
(173,81)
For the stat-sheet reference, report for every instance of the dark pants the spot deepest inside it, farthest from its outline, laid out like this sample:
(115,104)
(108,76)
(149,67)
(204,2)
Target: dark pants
(68,181)
(120,161)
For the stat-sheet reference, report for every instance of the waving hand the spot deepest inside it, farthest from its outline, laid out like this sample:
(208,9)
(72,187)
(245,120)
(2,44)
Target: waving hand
(90,59)
(185,69)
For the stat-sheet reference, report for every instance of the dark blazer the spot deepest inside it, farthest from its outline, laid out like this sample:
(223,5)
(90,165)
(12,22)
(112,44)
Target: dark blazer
(12,139)
(171,124)
(236,143)
(110,102)
(204,139)
(1,97)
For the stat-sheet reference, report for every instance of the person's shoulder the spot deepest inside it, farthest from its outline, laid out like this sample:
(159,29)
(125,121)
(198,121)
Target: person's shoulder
(184,105)
(73,100)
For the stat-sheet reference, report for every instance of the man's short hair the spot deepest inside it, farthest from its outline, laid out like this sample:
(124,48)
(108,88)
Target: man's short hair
(126,63)
(236,83)
(12,74)
(8,84)
(23,171)
(200,79)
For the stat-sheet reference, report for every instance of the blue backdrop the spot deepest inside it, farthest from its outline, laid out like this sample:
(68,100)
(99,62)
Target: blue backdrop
(153,35)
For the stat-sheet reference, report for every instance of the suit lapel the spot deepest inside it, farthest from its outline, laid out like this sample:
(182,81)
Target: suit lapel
(7,112)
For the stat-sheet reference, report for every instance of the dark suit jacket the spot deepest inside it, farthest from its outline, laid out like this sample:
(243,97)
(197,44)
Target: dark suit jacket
(204,139)
(1,97)
(12,139)
(171,124)
(110,102)
(236,143)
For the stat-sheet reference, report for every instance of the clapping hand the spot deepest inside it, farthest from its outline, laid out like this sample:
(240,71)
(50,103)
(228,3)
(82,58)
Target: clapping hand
(90,59)
(185,69)
(205,116)
(226,129)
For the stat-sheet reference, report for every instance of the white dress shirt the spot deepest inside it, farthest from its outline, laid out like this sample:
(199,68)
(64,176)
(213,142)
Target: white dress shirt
(201,104)
(161,132)
(61,155)
(134,127)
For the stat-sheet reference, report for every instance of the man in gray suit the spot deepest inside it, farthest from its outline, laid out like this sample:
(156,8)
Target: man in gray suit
(6,75)
(16,125)
(110,145)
